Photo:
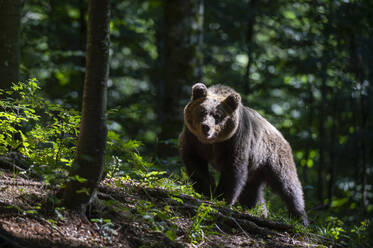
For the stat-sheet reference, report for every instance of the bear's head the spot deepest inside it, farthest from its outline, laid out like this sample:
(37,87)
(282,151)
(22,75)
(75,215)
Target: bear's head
(210,116)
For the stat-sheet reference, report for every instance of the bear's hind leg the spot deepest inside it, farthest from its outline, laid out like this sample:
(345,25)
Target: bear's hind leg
(284,181)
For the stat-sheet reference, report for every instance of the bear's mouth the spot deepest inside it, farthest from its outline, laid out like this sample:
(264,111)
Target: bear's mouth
(207,131)
(208,137)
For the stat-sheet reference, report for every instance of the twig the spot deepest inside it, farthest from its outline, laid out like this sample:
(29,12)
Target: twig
(54,228)
(247,235)
(4,163)
(252,222)
(21,183)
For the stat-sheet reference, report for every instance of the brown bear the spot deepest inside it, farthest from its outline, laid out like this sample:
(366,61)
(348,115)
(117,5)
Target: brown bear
(243,146)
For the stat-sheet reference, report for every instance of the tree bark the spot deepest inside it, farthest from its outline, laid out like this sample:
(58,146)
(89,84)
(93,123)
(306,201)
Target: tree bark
(326,58)
(10,25)
(82,41)
(89,160)
(333,141)
(364,173)
(307,150)
(362,115)
(322,141)
(249,40)
(183,64)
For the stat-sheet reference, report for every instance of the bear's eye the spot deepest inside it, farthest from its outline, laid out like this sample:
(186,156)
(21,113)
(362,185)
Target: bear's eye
(218,117)
(203,112)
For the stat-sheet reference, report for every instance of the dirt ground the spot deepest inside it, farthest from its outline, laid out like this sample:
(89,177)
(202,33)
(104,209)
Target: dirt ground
(129,215)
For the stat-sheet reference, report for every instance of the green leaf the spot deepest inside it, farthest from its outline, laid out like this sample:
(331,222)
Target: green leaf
(339,202)
(171,234)
(107,221)
(289,14)
(179,200)
(80,179)
(31,211)
(83,191)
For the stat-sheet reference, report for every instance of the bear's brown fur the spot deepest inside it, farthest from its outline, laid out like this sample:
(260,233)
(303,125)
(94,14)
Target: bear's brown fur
(244,147)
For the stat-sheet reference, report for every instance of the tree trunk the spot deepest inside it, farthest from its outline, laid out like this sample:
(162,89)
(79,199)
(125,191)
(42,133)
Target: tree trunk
(10,25)
(156,74)
(364,173)
(183,64)
(362,113)
(326,58)
(249,40)
(322,141)
(307,149)
(89,160)
(82,41)
(333,141)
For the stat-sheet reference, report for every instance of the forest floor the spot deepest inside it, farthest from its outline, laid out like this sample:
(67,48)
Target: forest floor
(131,214)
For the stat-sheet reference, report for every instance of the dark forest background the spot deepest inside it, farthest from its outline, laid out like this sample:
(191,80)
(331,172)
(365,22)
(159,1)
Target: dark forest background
(306,66)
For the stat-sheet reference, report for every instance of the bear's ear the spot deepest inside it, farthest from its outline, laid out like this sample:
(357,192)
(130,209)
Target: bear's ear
(199,90)
(233,100)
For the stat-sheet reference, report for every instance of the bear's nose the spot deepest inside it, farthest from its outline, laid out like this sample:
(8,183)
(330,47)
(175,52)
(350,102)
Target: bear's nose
(205,129)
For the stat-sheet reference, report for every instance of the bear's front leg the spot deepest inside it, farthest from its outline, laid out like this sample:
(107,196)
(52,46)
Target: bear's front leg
(198,172)
(232,181)
(196,166)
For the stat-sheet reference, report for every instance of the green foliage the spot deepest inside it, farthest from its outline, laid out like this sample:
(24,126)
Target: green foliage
(199,229)
(16,109)
(258,209)
(123,160)
(359,233)
(158,219)
(43,132)
(334,227)
(104,226)
(46,134)
(123,156)
(30,210)
(355,235)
